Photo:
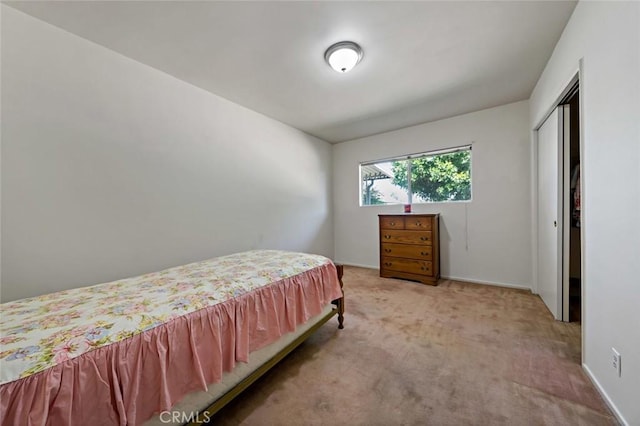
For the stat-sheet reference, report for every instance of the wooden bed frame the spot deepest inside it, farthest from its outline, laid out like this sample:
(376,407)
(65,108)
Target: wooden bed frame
(218,404)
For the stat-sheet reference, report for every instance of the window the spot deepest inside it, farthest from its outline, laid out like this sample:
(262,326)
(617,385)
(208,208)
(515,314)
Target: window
(437,176)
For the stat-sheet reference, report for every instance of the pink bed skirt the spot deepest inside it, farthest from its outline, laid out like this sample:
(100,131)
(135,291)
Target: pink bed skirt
(125,383)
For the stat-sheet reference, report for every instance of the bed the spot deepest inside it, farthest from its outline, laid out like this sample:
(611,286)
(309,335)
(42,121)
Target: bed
(126,352)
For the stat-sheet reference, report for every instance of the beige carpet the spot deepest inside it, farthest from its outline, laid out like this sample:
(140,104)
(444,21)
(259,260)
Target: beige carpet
(411,354)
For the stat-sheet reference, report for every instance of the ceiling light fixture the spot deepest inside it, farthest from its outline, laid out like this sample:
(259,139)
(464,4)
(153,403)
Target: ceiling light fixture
(343,56)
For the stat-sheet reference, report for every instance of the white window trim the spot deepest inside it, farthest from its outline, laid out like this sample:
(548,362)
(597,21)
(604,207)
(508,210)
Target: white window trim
(467,147)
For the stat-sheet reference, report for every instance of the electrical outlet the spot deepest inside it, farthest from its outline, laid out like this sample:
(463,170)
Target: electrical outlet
(616,361)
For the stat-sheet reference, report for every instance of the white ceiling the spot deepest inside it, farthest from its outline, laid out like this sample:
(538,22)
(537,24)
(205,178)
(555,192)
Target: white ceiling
(423,61)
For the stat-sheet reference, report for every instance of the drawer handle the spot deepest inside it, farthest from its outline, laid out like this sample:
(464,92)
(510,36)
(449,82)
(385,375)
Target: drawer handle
(393,224)
(418,224)
(424,253)
(388,263)
(424,239)
(387,250)
(387,236)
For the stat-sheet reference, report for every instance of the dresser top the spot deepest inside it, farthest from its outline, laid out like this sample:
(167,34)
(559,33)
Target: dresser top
(411,214)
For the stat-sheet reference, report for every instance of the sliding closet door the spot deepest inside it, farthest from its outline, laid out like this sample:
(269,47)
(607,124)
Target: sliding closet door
(550,213)
(567,199)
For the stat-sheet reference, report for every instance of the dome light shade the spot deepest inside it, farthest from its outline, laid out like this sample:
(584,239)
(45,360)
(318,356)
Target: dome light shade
(343,56)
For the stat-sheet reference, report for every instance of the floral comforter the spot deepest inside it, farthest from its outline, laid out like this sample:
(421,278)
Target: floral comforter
(40,332)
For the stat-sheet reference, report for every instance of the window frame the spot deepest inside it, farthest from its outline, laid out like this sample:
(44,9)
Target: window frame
(408,157)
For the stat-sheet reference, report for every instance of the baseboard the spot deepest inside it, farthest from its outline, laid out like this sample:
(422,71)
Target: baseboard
(468,280)
(605,396)
(485,282)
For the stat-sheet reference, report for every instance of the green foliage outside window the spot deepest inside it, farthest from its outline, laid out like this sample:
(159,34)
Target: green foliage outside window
(445,177)
(435,177)
(371,197)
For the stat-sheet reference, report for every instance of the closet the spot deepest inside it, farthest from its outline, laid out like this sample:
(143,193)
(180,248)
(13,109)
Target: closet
(573,208)
(559,208)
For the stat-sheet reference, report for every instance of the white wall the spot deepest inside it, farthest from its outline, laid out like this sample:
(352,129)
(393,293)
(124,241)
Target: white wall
(111,168)
(606,35)
(486,240)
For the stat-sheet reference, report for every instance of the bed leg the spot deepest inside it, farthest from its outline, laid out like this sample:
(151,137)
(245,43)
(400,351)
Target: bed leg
(340,302)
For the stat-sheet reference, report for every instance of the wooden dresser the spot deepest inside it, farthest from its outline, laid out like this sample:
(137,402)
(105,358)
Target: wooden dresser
(410,247)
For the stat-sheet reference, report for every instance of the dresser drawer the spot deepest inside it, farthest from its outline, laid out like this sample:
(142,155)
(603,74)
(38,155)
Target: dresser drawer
(392,222)
(407,250)
(421,267)
(406,237)
(417,223)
